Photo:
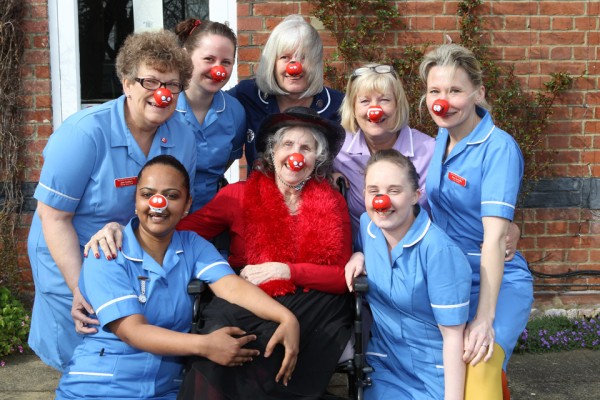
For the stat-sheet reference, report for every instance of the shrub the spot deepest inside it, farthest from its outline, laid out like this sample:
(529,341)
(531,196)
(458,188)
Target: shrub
(558,333)
(14,324)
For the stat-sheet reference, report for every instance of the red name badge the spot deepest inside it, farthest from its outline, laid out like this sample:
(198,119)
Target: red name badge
(122,182)
(457,179)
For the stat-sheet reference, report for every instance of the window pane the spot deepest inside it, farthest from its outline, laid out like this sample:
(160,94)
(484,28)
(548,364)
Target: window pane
(103,26)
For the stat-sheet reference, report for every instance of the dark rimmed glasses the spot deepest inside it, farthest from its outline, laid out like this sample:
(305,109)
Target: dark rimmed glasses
(380,69)
(153,84)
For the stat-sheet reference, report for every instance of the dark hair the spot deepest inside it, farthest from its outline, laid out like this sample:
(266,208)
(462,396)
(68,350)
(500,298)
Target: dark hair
(168,160)
(395,157)
(192,30)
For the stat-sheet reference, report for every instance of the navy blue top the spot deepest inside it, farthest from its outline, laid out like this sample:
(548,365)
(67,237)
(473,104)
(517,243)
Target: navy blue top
(258,105)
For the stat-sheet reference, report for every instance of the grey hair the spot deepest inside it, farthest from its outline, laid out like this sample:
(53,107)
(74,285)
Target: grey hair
(371,81)
(264,161)
(456,56)
(292,35)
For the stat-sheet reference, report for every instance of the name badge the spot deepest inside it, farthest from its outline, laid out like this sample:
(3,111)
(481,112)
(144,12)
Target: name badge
(123,182)
(457,179)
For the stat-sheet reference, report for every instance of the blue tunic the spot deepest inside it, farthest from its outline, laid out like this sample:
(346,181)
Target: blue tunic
(424,283)
(481,178)
(105,367)
(90,166)
(258,105)
(219,140)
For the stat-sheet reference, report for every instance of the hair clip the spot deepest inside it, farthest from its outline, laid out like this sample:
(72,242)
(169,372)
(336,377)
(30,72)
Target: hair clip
(196,23)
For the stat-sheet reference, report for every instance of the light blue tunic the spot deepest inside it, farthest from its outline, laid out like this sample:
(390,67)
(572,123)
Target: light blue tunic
(481,178)
(425,283)
(219,140)
(90,166)
(103,366)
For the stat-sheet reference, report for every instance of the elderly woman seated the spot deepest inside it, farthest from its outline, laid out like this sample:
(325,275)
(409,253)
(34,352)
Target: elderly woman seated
(291,236)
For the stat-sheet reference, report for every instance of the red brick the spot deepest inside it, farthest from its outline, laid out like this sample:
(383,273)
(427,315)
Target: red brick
(249,54)
(562,23)
(560,53)
(539,23)
(41,42)
(36,57)
(275,8)
(586,23)
(516,23)
(243,9)
(562,7)
(271,23)
(250,24)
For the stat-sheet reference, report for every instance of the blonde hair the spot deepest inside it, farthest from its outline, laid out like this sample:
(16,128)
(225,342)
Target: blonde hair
(292,35)
(368,82)
(456,56)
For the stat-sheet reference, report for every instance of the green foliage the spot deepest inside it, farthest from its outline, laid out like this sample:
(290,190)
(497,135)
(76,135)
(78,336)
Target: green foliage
(14,324)
(548,334)
(361,26)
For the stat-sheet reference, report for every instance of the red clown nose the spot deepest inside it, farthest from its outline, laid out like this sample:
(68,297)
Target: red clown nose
(158,203)
(163,97)
(296,162)
(218,73)
(440,107)
(294,68)
(374,113)
(382,202)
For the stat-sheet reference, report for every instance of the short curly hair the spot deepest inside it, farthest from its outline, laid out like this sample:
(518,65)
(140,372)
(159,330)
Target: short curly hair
(159,50)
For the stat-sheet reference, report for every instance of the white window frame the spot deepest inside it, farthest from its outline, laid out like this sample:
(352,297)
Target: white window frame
(63,25)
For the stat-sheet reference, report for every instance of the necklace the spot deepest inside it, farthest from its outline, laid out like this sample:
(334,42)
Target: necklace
(297,187)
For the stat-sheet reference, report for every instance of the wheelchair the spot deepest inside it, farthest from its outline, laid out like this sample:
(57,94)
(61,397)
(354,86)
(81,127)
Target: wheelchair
(356,368)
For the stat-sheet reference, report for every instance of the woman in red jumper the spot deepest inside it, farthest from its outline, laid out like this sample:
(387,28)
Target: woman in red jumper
(290,235)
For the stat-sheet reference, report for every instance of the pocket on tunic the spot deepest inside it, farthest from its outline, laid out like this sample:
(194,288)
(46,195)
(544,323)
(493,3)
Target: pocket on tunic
(90,371)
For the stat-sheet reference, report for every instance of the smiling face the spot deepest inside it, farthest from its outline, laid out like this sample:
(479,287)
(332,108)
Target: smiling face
(383,128)
(454,86)
(141,107)
(167,181)
(295,84)
(386,177)
(295,140)
(211,51)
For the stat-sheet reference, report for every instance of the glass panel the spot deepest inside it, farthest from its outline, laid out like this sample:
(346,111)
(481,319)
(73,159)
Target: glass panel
(103,26)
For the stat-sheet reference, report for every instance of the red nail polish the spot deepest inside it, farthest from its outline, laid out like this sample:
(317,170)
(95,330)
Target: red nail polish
(97,255)
(109,257)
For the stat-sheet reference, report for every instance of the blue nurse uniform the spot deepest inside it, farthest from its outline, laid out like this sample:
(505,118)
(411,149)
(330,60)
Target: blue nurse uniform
(424,282)
(90,168)
(103,366)
(481,178)
(258,105)
(219,140)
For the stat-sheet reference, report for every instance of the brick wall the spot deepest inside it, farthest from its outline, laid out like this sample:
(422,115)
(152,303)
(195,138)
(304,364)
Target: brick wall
(538,37)
(37,110)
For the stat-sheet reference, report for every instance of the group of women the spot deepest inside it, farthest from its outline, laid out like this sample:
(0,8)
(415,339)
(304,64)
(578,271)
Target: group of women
(446,305)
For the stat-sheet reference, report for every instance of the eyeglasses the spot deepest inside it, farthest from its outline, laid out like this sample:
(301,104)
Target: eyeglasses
(153,84)
(380,69)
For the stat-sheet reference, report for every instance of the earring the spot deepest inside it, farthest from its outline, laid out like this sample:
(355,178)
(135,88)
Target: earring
(135,211)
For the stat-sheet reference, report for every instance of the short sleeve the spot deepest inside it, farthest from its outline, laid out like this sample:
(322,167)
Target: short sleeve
(69,159)
(240,130)
(209,264)
(108,287)
(448,283)
(501,177)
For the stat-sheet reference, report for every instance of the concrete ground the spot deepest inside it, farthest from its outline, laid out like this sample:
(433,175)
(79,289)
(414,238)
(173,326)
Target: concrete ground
(572,375)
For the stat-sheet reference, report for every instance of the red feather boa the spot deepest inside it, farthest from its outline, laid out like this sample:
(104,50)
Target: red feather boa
(313,235)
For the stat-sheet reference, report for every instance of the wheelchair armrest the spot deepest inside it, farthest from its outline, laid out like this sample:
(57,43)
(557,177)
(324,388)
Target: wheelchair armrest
(361,284)
(196,287)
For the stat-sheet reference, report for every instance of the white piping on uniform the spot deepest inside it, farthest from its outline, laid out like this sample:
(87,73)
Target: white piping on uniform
(328,102)
(369,230)
(90,373)
(498,202)
(108,303)
(466,303)
(209,267)
(486,136)
(371,353)
(420,236)
(58,193)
